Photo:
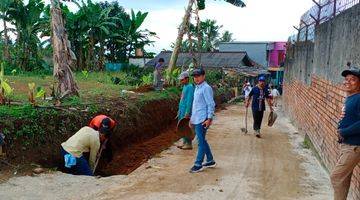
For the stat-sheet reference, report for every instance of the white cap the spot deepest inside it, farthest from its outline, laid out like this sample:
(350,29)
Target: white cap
(184,75)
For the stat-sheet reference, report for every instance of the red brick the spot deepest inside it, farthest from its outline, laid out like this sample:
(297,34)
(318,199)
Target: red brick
(316,109)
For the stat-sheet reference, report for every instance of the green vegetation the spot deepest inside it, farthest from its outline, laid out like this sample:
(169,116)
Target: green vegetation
(98,32)
(306,143)
(205,37)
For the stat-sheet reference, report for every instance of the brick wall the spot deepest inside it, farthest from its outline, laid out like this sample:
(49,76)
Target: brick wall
(315,109)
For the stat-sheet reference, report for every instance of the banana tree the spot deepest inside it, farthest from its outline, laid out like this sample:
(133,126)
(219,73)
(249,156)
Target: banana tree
(5,89)
(131,34)
(61,53)
(28,23)
(200,4)
(4,7)
(98,23)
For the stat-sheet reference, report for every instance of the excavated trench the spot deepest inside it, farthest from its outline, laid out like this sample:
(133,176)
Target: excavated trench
(143,132)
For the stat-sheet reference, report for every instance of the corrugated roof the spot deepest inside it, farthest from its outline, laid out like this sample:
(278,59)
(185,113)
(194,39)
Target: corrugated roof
(208,59)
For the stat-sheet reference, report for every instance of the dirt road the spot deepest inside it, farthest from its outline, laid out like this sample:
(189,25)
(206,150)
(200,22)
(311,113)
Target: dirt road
(275,167)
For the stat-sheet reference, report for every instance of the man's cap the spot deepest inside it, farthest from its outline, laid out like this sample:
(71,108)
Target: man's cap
(106,123)
(198,72)
(184,75)
(262,78)
(106,131)
(354,71)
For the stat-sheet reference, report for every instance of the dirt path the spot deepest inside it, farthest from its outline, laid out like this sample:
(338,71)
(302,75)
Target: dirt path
(275,167)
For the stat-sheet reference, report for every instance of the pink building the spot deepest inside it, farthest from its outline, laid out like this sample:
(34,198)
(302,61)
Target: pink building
(276,54)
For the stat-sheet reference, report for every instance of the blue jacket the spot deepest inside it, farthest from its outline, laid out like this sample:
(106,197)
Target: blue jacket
(349,126)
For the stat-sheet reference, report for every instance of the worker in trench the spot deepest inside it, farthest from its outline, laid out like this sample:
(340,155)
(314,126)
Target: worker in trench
(92,139)
(257,95)
(349,135)
(184,113)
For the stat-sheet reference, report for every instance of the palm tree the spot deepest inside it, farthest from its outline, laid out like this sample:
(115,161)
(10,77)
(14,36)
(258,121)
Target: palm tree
(210,32)
(211,36)
(227,37)
(61,53)
(200,5)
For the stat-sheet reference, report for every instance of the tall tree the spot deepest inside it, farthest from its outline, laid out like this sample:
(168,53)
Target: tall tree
(28,23)
(134,37)
(182,31)
(209,32)
(227,37)
(97,22)
(182,28)
(4,7)
(61,53)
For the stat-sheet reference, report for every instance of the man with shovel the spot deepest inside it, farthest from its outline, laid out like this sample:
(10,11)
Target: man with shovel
(85,140)
(258,95)
(184,113)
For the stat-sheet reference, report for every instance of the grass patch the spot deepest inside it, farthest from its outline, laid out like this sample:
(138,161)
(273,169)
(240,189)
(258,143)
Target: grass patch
(92,85)
(306,143)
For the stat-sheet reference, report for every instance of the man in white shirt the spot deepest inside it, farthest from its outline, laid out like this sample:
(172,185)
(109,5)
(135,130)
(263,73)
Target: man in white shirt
(247,90)
(275,94)
(85,140)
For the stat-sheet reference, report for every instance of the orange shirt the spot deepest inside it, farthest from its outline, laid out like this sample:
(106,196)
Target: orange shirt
(96,122)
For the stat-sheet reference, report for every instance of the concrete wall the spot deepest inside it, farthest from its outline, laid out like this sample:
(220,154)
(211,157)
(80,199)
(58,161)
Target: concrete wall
(337,42)
(256,51)
(313,97)
(139,61)
(299,62)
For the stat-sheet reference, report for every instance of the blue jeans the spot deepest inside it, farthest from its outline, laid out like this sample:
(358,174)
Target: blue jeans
(203,146)
(82,166)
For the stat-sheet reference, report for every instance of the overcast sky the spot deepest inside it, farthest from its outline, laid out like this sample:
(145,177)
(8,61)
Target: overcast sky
(260,20)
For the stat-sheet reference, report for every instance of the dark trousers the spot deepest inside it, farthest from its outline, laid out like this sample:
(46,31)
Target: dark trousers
(257,116)
(82,166)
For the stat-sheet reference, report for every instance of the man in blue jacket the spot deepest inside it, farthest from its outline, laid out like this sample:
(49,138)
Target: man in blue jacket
(257,96)
(349,136)
(202,115)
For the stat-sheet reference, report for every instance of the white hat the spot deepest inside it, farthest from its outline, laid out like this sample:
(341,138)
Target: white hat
(184,75)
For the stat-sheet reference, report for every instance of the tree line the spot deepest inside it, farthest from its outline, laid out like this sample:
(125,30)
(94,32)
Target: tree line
(97,32)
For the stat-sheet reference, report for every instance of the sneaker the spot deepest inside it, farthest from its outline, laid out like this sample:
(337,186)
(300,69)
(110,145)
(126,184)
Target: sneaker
(196,169)
(257,133)
(211,164)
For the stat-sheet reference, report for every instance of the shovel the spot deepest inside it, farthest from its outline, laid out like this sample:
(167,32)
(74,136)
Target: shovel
(245,130)
(103,146)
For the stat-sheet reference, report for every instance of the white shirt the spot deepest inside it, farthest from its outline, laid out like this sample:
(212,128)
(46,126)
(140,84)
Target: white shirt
(247,91)
(275,92)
